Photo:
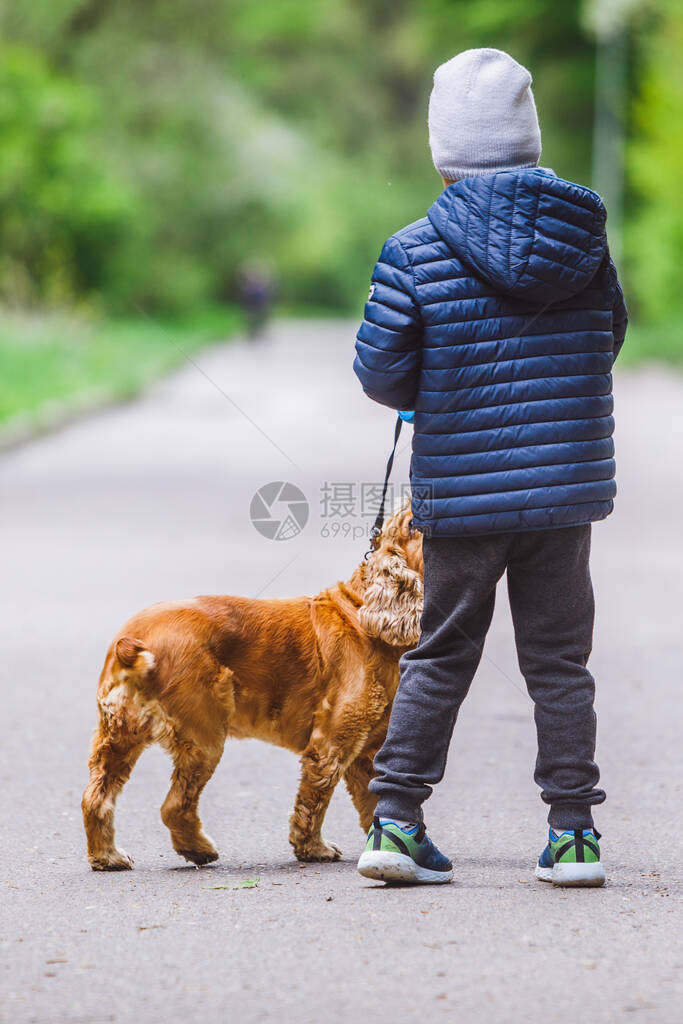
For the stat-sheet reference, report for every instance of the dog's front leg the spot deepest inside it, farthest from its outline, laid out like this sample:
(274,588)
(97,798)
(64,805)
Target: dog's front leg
(321,769)
(357,778)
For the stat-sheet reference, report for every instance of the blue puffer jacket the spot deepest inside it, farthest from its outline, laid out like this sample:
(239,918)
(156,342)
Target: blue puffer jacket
(497,317)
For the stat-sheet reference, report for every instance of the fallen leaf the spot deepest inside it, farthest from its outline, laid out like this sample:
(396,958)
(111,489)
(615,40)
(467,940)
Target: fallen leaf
(248,883)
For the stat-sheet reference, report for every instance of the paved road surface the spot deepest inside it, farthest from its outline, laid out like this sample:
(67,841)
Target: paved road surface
(151,501)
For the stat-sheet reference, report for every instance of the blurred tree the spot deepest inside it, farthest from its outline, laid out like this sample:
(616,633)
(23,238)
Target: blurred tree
(62,215)
(194,134)
(654,236)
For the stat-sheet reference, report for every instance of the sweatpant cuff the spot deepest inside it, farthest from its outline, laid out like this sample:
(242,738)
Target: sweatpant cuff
(396,810)
(570,815)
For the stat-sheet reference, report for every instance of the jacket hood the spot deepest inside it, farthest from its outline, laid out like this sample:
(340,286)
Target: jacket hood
(529,233)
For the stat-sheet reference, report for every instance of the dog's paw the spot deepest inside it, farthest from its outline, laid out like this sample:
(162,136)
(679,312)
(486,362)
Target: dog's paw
(317,851)
(199,857)
(117,860)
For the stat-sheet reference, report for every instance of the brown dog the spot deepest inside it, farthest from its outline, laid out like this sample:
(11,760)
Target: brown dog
(316,675)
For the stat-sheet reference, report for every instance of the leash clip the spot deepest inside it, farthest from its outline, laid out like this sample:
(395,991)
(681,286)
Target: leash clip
(375,534)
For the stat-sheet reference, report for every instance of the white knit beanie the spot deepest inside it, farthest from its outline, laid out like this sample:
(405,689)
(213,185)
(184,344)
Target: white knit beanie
(482,115)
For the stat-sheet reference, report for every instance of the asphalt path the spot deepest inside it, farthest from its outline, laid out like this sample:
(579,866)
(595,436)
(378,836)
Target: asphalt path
(151,501)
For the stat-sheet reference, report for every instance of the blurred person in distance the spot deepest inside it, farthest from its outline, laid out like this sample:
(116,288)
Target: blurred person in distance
(256,294)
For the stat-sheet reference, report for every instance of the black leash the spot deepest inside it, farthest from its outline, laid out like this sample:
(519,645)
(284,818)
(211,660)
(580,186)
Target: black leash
(379,520)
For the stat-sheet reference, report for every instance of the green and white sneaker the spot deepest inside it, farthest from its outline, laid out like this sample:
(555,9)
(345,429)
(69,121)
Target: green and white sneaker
(399,855)
(572,858)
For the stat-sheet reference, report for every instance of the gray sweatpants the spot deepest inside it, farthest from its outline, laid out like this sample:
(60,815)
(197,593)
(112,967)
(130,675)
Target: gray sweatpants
(551,599)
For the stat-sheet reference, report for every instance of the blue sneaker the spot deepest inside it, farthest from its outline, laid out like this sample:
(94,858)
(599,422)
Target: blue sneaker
(572,858)
(408,856)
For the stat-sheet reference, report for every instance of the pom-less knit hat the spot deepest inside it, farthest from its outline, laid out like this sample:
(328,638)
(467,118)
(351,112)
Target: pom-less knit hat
(482,115)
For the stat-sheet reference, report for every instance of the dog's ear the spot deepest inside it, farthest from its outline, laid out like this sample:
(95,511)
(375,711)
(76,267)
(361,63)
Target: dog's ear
(392,598)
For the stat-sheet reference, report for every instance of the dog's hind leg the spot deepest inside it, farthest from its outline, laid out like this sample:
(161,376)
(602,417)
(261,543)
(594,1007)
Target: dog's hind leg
(112,758)
(357,778)
(193,767)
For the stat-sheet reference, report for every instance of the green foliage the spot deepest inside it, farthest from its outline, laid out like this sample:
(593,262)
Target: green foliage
(191,135)
(655,231)
(61,214)
(147,149)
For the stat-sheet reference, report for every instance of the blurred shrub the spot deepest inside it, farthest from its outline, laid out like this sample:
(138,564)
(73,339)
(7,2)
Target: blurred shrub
(156,146)
(655,229)
(147,149)
(62,215)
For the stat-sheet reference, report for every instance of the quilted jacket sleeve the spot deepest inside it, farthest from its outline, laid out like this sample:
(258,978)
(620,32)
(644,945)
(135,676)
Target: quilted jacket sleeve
(389,342)
(619,311)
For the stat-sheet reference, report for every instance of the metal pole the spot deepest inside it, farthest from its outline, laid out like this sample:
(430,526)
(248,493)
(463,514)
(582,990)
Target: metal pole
(609,129)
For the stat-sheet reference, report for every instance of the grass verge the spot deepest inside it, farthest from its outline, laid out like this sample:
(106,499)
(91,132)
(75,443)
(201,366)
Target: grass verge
(662,343)
(55,365)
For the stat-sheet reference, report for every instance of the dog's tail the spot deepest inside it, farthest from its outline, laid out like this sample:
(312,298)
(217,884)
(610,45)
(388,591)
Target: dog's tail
(132,661)
(128,670)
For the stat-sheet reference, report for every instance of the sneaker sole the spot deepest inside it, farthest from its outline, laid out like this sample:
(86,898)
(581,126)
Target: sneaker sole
(573,875)
(384,866)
